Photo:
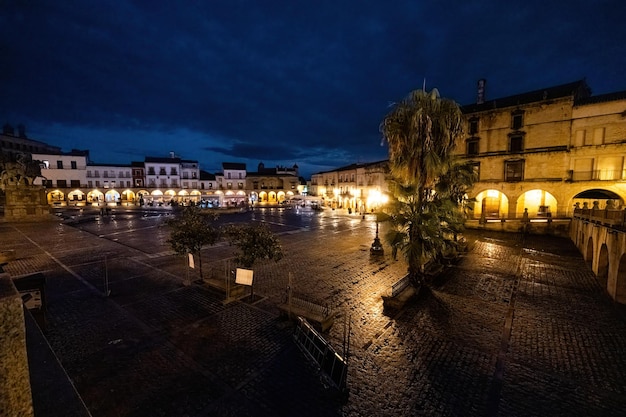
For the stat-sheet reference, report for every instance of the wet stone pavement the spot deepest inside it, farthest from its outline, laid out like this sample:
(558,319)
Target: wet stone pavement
(515,328)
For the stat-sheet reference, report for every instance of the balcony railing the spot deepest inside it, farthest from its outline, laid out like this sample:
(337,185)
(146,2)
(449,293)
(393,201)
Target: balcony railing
(599,175)
(607,217)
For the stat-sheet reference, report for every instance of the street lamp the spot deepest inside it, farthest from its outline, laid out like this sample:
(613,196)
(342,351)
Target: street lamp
(376,198)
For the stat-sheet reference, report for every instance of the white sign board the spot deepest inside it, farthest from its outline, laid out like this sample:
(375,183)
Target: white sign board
(191,264)
(244,276)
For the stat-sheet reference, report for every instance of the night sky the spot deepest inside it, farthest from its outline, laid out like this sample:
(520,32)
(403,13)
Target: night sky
(281,82)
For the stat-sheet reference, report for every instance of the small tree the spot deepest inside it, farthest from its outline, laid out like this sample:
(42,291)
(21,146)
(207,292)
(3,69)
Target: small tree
(191,231)
(254,241)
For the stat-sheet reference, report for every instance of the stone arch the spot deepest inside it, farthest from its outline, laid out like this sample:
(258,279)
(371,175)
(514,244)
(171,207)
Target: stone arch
(112,196)
(263,196)
(620,284)
(195,196)
(538,202)
(280,196)
(169,196)
(157,197)
(586,198)
(76,197)
(491,203)
(603,266)
(95,196)
(128,195)
(55,197)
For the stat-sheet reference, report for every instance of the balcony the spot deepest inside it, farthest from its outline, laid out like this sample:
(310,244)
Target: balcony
(598,175)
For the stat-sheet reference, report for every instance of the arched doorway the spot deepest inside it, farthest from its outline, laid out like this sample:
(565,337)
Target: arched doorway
(491,204)
(169,197)
(56,197)
(142,196)
(128,197)
(539,203)
(112,196)
(157,198)
(195,196)
(77,198)
(183,198)
(95,197)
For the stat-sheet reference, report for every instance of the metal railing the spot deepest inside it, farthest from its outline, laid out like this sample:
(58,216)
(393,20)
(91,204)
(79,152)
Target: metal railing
(330,363)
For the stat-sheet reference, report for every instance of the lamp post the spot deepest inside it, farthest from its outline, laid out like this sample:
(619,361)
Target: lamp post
(377,247)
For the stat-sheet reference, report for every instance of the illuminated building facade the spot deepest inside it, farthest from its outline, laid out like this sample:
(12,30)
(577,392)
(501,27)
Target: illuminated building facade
(359,187)
(545,151)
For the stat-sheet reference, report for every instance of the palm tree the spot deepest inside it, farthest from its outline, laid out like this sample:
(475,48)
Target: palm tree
(427,185)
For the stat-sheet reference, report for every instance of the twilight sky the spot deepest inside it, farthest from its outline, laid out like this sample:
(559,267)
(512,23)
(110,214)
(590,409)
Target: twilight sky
(281,82)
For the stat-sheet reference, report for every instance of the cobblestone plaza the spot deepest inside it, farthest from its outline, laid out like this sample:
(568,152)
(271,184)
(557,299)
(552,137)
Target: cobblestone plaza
(518,327)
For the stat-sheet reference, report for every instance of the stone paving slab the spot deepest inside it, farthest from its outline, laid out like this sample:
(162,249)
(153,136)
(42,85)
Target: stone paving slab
(157,347)
(533,391)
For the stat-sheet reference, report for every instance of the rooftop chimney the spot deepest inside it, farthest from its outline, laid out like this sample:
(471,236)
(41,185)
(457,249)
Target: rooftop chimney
(480,98)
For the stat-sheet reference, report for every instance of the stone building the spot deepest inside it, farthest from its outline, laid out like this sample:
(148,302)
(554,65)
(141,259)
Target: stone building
(272,185)
(360,187)
(544,151)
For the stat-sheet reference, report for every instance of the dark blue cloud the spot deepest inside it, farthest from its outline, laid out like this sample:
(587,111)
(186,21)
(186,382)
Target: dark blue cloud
(279,82)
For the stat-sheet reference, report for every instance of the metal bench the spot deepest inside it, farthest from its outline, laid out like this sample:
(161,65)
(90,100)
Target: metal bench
(401,292)
(322,317)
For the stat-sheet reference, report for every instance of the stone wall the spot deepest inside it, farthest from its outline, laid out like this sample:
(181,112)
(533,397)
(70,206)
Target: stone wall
(15,392)
(26,203)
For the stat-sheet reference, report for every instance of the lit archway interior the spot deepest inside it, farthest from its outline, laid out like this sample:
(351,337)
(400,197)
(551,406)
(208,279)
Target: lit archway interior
(538,202)
(111,196)
(95,196)
(128,195)
(76,196)
(55,196)
(491,203)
